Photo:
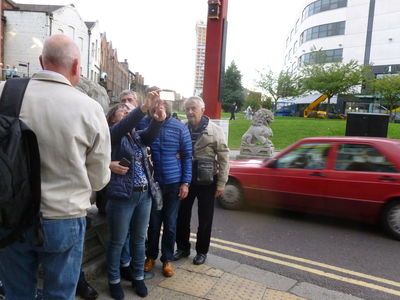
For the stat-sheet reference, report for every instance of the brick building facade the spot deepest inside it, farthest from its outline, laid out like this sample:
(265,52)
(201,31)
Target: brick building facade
(114,75)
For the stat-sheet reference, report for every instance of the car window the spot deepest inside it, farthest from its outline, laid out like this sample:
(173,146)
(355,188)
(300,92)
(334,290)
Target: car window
(310,156)
(362,158)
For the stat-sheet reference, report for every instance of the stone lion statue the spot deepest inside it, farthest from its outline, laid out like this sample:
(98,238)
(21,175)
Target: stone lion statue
(259,132)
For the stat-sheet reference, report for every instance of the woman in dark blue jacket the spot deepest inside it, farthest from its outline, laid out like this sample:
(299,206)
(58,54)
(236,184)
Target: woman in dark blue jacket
(129,205)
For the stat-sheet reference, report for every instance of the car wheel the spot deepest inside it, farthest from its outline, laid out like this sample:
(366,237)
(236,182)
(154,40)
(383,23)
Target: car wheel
(391,219)
(232,197)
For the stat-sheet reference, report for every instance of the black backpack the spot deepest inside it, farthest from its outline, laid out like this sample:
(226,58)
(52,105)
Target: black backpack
(19,168)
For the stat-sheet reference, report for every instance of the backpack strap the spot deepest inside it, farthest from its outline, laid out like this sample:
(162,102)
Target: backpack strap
(12,96)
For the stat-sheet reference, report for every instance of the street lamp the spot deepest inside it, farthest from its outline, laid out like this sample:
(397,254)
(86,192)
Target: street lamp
(26,65)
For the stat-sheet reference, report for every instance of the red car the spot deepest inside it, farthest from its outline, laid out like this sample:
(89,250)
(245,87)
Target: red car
(351,177)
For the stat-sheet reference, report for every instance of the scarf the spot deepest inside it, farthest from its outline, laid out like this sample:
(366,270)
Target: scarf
(195,133)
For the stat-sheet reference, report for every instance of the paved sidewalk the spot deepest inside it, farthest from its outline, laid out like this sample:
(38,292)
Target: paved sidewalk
(221,278)
(218,279)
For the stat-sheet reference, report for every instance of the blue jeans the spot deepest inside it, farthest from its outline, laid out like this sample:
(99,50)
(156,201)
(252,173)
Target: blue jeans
(167,216)
(127,216)
(126,253)
(60,258)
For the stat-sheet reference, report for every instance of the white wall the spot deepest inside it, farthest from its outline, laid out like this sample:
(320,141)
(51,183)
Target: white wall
(69,21)
(386,26)
(24,35)
(94,53)
(26,31)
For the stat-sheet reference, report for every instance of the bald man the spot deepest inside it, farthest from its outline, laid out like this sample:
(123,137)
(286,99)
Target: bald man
(74,146)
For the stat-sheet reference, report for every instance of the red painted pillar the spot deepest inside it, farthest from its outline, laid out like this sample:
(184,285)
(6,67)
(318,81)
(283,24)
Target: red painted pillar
(217,14)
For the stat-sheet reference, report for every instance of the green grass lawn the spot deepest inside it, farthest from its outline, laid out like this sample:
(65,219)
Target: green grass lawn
(287,130)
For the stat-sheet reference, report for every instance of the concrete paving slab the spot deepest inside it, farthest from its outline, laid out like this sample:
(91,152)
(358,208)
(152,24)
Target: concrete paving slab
(203,269)
(271,280)
(314,292)
(160,293)
(191,283)
(279,295)
(224,264)
(233,287)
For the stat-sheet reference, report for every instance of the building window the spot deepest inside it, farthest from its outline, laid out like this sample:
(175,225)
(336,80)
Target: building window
(322,31)
(80,42)
(328,56)
(295,47)
(322,5)
(72,29)
(95,50)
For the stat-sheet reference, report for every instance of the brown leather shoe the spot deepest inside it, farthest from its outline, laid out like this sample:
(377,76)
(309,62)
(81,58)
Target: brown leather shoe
(149,264)
(168,269)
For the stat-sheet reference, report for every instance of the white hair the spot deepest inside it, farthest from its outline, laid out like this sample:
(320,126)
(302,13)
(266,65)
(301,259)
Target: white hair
(196,99)
(128,92)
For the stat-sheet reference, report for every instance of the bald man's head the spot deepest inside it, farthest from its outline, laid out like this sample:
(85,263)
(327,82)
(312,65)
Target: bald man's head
(60,54)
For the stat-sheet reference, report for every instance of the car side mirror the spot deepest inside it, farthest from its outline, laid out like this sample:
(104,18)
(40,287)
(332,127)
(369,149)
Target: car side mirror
(273,163)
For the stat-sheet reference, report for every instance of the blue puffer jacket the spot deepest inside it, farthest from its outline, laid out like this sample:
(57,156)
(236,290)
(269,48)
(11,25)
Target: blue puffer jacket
(124,145)
(174,140)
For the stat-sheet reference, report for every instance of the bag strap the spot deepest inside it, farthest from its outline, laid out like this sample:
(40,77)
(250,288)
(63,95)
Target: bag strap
(12,96)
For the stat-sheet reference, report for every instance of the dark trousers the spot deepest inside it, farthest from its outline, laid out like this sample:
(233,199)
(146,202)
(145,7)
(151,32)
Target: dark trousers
(167,216)
(205,199)
(232,116)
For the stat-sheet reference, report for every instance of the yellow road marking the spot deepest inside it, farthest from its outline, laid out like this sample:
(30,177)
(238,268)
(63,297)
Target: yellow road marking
(308,269)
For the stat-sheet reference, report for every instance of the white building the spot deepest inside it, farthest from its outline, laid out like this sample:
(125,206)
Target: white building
(201,32)
(27,28)
(365,30)
(94,53)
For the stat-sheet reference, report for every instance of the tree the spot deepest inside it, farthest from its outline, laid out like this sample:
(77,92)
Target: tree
(332,78)
(266,102)
(233,89)
(254,100)
(388,88)
(281,86)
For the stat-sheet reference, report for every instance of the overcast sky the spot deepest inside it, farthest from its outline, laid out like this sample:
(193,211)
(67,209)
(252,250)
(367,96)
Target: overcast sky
(158,36)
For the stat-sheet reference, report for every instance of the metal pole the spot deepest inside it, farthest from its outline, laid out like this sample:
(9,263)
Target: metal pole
(214,69)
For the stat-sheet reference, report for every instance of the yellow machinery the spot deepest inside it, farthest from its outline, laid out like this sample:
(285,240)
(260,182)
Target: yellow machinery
(310,112)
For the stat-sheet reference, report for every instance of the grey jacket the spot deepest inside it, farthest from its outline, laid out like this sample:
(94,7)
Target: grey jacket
(212,144)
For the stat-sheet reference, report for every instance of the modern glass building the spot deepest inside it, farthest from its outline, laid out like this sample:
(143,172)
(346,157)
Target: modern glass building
(365,30)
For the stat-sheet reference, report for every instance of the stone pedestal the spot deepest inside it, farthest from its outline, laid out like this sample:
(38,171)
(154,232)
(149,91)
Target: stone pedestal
(255,152)
(96,240)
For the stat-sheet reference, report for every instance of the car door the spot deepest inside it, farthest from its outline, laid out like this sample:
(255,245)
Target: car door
(361,178)
(296,180)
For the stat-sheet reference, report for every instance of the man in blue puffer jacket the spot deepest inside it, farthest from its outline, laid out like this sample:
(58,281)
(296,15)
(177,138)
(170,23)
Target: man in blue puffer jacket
(172,158)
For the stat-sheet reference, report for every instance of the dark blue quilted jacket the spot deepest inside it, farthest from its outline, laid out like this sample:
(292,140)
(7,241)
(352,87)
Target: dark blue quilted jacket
(124,145)
(171,152)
